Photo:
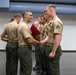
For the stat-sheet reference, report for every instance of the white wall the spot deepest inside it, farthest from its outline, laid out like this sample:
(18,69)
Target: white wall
(69,32)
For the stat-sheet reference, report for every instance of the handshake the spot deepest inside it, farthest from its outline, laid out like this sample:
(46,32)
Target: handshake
(42,42)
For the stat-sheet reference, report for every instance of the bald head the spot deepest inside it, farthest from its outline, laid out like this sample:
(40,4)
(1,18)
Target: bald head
(36,24)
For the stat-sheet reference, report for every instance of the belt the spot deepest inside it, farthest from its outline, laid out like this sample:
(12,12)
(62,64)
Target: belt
(13,41)
(49,44)
(24,46)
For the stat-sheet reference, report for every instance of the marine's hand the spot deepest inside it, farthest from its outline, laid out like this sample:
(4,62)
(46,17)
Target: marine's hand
(41,43)
(51,55)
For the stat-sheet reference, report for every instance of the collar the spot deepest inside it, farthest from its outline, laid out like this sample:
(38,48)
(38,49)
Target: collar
(24,22)
(55,18)
(14,22)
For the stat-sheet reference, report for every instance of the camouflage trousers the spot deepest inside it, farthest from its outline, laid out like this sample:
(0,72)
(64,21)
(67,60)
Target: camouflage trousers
(11,58)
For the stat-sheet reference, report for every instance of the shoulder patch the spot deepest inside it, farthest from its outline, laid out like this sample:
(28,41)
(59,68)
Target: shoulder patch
(57,27)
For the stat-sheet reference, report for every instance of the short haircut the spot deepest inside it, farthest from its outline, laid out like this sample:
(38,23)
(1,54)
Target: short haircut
(25,13)
(51,5)
(41,16)
(44,18)
(17,15)
(12,19)
(36,22)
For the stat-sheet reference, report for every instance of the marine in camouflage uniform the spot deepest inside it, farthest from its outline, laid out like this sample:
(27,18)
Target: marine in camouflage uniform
(53,49)
(43,35)
(10,36)
(25,40)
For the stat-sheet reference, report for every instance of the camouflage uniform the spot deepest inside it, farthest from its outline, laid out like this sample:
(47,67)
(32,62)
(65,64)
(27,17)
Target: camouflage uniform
(24,51)
(11,48)
(43,35)
(53,27)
